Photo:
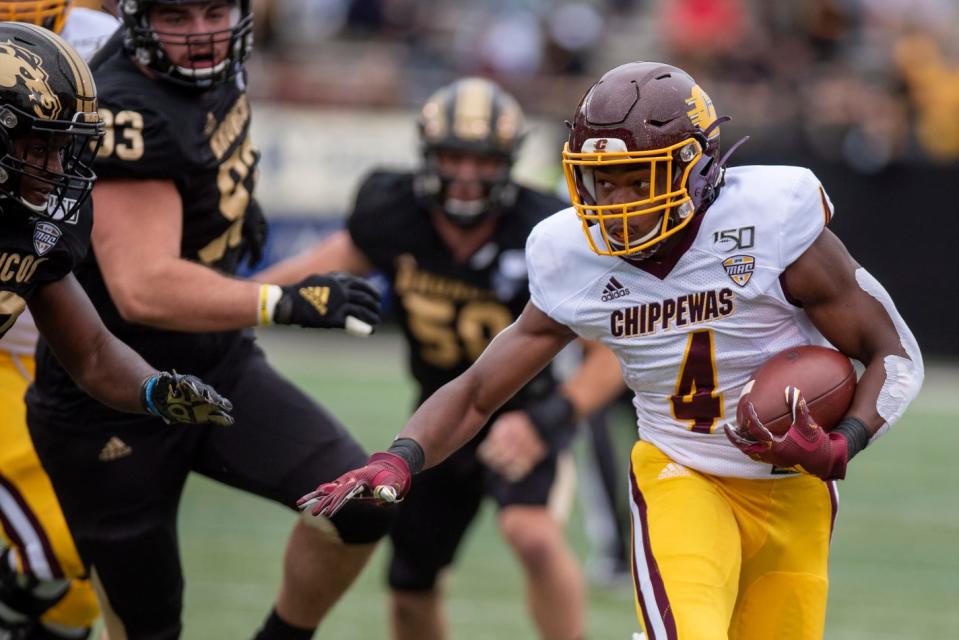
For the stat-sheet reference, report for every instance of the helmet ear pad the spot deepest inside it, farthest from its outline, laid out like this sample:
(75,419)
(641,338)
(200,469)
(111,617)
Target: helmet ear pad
(701,184)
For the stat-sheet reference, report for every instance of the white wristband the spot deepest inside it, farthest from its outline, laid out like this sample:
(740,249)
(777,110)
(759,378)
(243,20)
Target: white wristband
(270,294)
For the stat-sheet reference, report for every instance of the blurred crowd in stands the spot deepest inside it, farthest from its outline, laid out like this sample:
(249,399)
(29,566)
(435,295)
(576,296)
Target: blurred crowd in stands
(870,83)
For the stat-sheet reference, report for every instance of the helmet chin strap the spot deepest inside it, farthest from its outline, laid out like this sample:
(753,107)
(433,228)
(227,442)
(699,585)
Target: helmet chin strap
(203,73)
(649,236)
(464,209)
(37,208)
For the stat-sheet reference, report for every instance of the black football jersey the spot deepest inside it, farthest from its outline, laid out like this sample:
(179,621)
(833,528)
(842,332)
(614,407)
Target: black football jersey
(34,252)
(449,310)
(156,130)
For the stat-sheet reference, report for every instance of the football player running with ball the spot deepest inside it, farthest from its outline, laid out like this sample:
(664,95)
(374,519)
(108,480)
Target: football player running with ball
(725,545)
(450,237)
(175,216)
(49,131)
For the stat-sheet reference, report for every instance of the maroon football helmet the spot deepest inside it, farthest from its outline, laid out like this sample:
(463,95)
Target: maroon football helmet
(646,115)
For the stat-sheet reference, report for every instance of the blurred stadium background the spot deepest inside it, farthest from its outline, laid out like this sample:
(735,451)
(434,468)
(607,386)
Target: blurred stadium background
(864,92)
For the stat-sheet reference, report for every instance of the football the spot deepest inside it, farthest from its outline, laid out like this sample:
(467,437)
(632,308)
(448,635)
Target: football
(825,377)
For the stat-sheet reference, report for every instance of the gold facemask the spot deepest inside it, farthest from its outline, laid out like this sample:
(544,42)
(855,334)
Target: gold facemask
(668,199)
(50,14)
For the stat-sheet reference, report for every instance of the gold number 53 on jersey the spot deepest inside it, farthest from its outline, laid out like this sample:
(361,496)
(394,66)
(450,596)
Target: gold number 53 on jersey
(123,134)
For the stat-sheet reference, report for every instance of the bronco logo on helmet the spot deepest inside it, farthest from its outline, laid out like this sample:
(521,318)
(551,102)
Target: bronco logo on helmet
(19,65)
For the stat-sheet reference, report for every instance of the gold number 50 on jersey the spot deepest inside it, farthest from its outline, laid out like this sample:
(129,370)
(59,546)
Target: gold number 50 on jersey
(129,144)
(446,337)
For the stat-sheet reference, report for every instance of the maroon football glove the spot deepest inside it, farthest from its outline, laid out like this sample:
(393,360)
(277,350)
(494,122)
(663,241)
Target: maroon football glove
(386,478)
(804,445)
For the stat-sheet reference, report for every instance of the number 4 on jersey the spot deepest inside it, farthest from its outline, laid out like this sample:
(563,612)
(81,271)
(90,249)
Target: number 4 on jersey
(695,399)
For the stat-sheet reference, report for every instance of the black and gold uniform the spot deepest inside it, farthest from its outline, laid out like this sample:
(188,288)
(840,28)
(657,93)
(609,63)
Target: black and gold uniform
(48,99)
(449,312)
(119,476)
(34,252)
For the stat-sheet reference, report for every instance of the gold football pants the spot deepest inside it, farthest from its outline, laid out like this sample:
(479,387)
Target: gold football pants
(716,558)
(30,517)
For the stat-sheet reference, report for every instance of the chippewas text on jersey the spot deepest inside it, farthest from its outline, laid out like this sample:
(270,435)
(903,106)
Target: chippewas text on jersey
(693,308)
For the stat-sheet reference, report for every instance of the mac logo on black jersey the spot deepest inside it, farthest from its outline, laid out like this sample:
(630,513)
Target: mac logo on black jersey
(45,235)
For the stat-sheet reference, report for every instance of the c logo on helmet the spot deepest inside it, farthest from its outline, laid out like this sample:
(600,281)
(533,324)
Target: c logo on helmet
(703,113)
(20,65)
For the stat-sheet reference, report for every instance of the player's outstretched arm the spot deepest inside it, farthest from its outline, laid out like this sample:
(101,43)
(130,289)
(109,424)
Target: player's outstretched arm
(335,252)
(452,415)
(137,240)
(852,310)
(112,372)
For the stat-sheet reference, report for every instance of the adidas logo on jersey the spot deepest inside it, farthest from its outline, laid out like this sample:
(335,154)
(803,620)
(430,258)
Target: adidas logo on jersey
(114,448)
(614,290)
(673,470)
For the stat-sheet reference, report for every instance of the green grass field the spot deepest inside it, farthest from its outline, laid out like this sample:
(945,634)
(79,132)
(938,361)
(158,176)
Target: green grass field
(894,569)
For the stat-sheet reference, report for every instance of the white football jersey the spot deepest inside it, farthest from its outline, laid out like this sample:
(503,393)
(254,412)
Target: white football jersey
(85,30)
(689,332)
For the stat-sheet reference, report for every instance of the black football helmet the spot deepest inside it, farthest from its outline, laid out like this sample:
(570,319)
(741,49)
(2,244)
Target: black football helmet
(47,94)
(652,115)
(472,115)
(49,14)
(142,42)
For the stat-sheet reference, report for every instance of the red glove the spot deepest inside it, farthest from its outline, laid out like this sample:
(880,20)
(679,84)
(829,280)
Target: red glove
(386,478)
(804,445)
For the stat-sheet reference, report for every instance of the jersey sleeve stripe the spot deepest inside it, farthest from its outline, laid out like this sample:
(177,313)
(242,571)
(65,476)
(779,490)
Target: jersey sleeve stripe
(826,211)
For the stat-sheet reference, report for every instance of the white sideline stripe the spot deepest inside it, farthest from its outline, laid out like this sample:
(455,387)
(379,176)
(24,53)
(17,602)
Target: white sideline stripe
(33,546)
(642,569)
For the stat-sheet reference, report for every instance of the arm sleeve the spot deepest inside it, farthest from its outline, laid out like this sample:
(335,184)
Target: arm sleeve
(904,375)
(807,213)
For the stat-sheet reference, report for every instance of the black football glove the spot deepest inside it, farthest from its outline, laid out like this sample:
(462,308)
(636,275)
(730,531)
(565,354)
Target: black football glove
(177,398)
(332,301)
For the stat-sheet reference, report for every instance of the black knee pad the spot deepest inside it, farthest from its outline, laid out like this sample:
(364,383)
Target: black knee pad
(361,522)
(409,576)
